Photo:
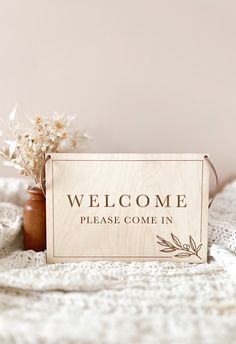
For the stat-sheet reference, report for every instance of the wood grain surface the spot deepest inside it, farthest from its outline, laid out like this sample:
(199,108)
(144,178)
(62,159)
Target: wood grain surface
(127,207)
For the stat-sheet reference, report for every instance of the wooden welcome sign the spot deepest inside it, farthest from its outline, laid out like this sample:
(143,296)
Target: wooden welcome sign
(127,207)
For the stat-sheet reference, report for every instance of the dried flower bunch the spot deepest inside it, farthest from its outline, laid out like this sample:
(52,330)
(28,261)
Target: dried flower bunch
(26,152)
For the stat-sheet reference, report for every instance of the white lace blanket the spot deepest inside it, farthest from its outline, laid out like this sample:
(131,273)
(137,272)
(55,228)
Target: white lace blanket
(114,302)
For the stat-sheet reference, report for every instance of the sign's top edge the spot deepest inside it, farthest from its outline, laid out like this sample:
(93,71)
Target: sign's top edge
(128,156)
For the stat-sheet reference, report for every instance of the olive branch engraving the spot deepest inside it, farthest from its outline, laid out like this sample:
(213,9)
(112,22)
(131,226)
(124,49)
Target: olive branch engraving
(186,250)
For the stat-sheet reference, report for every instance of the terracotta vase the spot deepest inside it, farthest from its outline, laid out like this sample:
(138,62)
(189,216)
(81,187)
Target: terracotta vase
(34,221)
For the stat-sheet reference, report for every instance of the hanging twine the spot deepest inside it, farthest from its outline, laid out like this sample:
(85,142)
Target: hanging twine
(215,174)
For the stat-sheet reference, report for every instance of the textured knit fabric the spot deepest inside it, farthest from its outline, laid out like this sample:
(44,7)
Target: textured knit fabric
(115,302)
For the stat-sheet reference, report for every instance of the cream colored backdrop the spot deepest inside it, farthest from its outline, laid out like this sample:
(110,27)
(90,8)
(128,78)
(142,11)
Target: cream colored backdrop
(142,75)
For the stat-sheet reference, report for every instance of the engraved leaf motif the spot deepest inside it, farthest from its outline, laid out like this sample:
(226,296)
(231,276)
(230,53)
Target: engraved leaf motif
(162,244)
(183,255)
(169,249)
(192,244)
(168,244)
(186,250)
(199,248)
(160,238)
(165,242)
(176,240)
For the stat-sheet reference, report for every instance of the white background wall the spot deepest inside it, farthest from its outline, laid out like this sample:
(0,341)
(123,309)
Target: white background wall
(142,75)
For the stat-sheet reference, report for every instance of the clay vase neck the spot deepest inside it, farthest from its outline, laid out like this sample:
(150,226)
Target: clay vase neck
(34,221)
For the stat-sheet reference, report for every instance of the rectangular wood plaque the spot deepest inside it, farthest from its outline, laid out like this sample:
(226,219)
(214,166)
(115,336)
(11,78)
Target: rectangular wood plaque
(127,207)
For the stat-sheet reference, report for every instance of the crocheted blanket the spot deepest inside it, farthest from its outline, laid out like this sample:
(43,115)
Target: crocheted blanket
(117,302)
